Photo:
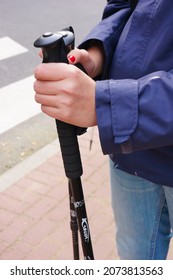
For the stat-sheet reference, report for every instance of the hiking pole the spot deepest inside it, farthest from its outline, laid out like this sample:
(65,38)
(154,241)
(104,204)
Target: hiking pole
(55,47)
(73,225)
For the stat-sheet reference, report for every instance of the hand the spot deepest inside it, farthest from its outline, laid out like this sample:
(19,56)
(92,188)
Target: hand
(65,93)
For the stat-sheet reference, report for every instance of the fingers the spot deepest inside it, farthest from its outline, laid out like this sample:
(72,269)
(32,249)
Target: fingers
(46,100)
(53,95)
(46,87)
(54,71)
(40,53)
(57,106)
(56,113)
(50,111)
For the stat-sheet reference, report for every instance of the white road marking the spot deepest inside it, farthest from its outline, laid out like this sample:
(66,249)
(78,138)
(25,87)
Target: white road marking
(17,103)
(9,48)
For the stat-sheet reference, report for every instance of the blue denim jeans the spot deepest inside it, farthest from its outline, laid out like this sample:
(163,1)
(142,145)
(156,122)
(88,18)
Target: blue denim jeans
(143,214)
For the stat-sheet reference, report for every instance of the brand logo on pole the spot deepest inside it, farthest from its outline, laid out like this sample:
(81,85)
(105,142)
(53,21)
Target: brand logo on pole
(78,204)
(85,227)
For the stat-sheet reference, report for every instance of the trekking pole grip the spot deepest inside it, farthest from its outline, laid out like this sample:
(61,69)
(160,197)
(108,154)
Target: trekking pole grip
(70,149)
(55,47)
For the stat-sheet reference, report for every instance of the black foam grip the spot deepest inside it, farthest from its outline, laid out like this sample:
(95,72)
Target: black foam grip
(70,149)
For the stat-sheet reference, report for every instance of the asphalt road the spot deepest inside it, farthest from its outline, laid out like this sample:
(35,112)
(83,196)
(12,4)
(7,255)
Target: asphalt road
(24,21)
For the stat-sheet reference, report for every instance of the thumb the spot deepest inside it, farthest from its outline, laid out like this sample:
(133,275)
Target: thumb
(76,56)
(81,56)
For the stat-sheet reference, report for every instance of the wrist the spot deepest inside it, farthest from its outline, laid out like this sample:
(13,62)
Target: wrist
(97,54)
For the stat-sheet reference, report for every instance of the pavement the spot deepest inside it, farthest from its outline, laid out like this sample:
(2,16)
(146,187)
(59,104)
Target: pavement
(34,206)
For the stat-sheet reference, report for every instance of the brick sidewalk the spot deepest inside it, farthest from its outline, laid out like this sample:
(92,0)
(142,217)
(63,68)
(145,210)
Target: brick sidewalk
(34,209)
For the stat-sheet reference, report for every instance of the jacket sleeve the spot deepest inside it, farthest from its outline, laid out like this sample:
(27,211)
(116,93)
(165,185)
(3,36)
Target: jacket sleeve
(108,30)
(135,114)
(115,6)
(132,114)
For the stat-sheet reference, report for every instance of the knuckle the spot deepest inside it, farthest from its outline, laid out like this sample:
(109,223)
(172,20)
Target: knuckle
(38,71)
(75,72)
(36,86)
(74,75)
(67,103)
(37,98)
(43,108)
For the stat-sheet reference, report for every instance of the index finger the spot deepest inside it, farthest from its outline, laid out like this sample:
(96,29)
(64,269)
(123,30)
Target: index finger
(52,71)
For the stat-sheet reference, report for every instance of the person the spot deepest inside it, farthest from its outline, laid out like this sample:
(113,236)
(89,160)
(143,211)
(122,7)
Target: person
(128,94)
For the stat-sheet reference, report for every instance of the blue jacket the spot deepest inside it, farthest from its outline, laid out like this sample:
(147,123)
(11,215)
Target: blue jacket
(134,98)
